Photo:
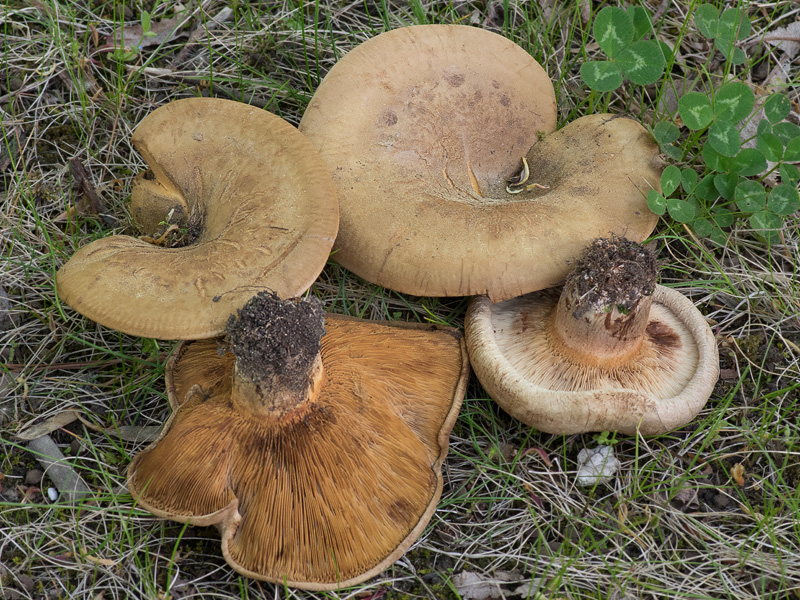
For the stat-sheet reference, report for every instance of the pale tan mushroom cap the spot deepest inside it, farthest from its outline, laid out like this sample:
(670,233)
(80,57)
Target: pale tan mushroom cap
(268,216)
(422,127)
(415,125)
(327,499)
(512,352)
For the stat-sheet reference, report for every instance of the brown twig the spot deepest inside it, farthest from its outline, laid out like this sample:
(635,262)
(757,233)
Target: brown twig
(194,38)
(86,187)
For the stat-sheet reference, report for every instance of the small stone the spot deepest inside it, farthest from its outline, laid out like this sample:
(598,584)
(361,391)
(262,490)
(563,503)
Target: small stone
(33,477)
(52,493)
(596,465)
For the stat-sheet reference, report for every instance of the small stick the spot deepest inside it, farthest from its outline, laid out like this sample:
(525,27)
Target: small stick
(194,39)
(86,187)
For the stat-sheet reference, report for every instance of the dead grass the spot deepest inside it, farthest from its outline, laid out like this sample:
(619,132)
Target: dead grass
(708,511)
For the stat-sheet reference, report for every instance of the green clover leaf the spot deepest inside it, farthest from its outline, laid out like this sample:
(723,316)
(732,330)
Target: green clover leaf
(656,202)
(642,62)
(724,138)
(733,26)
(689,179)
(670,180)
(770,145)
(695,110)
(726,184)
(786,131)
(613,29)
(792,152)
(601,75)
(789,173)
(723,217)
(680,210)
(748,162)
(706,19)
(642,23)
(777,107)
(750,196)
(784,199)
(706,189)
(733,102)
(666,132)
(767,224)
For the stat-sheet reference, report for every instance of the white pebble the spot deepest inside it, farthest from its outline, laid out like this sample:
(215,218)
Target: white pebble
(52,494)
(598,465)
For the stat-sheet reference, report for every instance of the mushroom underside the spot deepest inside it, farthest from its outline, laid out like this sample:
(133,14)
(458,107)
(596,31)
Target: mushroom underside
(331,495)
(513,352)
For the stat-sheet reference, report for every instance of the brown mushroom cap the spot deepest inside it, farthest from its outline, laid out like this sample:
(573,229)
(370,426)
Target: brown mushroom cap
(422,156)
(327,497)
(659,382)
(257,198)
(447,108)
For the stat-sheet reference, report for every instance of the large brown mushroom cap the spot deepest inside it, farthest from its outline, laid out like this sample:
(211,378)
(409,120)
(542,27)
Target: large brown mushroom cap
(253,193)
(422,156)
(446,108)
(327,497)
(523,368)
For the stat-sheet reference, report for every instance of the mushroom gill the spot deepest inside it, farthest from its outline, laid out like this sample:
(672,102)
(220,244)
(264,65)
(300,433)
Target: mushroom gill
(327,491)
(611,350)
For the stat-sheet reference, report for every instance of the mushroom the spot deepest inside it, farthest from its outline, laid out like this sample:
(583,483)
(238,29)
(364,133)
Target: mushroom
(319,461)
(613,351)
(255,204)
(445,184)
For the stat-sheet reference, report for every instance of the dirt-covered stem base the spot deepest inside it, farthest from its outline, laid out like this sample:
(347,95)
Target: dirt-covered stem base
(603,310)
(278,367)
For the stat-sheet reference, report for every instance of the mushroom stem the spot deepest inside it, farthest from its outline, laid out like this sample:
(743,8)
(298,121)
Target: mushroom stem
(155,200)
(278,366)
(275,401)
(602,313)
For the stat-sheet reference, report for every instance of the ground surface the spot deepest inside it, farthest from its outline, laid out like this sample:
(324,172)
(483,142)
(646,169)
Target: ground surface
(707,511)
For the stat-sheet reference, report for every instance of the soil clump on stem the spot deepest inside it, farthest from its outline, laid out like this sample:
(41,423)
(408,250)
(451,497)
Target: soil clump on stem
(614,272)
(277,341)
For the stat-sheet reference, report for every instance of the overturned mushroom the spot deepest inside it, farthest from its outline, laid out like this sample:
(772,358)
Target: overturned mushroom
(320,462)
(444,186)
(614,351)
(253,200)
